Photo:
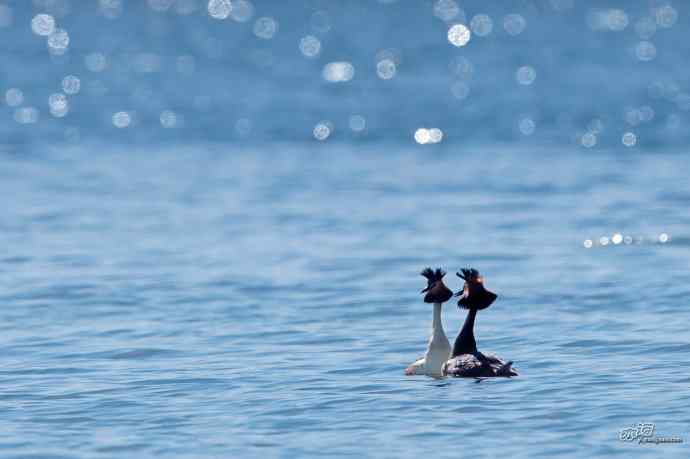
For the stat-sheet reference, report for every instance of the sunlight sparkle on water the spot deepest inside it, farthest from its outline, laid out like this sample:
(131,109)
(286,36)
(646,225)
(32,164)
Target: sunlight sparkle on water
(219,9)
(459,35)
(310,46)
(526,125)
(59,105)
(265,28)
(14,97)
(666,16)
(613,20)
(58,41)
(426,136)
(71,84)
(168,119)
(526,75)
(435,135)
(421,136)
(514,24)
(242,10)
(26,115)
(645,51)
(447,10)
(482,25)
(43,24)
(323,130)
(338,72)
(589,140)
(386,69)
(121,120)
(629,139)
(618,238)
(616,20)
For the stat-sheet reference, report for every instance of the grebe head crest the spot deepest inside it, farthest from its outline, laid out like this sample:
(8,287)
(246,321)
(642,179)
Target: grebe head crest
(473,294)
(436,291)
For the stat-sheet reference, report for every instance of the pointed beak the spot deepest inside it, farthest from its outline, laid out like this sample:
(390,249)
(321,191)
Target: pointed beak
(424,290)
(459,293)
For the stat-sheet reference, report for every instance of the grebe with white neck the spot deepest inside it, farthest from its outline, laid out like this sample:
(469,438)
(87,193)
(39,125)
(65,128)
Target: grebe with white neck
(438,349)
(466,360)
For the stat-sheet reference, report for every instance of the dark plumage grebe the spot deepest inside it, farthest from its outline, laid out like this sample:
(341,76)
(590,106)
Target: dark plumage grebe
(466,360)
(438,350)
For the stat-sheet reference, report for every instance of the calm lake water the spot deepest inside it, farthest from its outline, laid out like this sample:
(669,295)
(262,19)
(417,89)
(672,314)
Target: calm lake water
(262,301)
(214,215)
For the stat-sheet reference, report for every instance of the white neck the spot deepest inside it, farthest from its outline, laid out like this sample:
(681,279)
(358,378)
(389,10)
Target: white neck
(437,325)
(438,350)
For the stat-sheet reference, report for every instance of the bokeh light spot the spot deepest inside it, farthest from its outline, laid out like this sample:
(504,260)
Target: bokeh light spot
(14,97)
(310,46)
(514,24)
(121,120)
(459,35)
(447,10)
(71,84)
(265,28)
(322,130)
(386,69)
(43,24)
(645,51)
(58,41)
(526,125)
(629,139)
(338,72)
(219,9)
(526,75)
(482,25)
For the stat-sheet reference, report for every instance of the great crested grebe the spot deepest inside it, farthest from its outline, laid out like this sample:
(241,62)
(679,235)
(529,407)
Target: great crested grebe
(466,360)
(438,350)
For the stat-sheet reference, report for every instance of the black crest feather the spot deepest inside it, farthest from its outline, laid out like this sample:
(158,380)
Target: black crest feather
(473,294)
(435,291)
(433,276)
(468,274)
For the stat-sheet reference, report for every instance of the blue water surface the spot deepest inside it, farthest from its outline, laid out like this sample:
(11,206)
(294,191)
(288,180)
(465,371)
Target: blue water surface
(210,246)
(217,301)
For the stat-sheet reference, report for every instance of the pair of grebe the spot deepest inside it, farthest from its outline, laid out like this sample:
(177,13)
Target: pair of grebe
(464,360)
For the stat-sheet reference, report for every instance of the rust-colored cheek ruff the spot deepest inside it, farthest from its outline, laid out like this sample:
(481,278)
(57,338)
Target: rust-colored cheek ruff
(474,295)
(478,300)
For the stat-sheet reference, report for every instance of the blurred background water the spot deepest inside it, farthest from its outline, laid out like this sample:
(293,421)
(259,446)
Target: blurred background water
(215,213)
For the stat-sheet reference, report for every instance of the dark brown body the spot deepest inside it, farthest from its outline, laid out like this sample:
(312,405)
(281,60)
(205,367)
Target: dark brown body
(466,360)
